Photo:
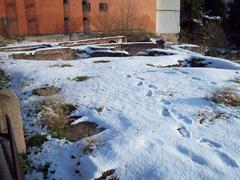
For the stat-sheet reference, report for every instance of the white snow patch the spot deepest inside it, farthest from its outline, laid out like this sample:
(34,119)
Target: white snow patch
(151,116)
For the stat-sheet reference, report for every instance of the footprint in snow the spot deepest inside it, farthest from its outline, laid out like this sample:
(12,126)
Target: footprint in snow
(169,72)
(152,86)
(149,93)
(165,112)
(213,83)
(182,117)
(226,159)
(184,72)
(211,143)
(165,102)
(140,78)
(184,132)
(194,157)
(140,83)
(129,76)
(196,78)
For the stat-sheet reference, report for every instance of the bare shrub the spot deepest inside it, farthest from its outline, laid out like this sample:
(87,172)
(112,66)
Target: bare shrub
(227,96)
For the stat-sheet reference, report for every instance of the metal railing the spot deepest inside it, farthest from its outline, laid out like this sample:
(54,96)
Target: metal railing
(10,168)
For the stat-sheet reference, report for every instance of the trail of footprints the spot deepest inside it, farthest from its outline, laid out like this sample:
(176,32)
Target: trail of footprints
(184,121)
(185,133)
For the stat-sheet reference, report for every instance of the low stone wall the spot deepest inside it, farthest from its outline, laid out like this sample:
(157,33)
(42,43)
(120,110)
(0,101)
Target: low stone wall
(48,54)
(48,38)
(9,104)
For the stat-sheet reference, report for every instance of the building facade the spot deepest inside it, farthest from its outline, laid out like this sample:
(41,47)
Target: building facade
(38,17)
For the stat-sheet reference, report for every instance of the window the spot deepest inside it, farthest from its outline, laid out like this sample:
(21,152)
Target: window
(85,18)
(103,7)
(86,6)
(65,1)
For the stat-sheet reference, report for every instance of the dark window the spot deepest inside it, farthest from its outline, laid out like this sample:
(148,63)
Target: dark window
(103,7)
(65,1)
(86,6)
(65,18)
(85,18)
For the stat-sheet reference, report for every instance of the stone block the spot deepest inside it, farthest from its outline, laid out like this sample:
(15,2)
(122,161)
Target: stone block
(9,104)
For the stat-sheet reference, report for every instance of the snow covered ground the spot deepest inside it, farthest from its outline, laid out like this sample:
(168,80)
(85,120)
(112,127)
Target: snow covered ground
(151,115)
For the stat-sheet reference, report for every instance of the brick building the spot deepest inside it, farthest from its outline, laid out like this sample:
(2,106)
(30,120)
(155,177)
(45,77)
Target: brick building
(37,17)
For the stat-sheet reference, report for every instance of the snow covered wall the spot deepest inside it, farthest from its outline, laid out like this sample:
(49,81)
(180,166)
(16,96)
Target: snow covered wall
(168,17)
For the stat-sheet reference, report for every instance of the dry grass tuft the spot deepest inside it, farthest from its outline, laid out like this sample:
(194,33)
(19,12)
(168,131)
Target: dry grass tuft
(211,116)
(102,61)
(55,114)
(227,96)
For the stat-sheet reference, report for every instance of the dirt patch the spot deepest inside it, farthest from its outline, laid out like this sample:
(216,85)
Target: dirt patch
(46,91)
(57,116)
(81,78)
(160,66)
(109,174)
(102,61)
(50,54)
(82,130)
